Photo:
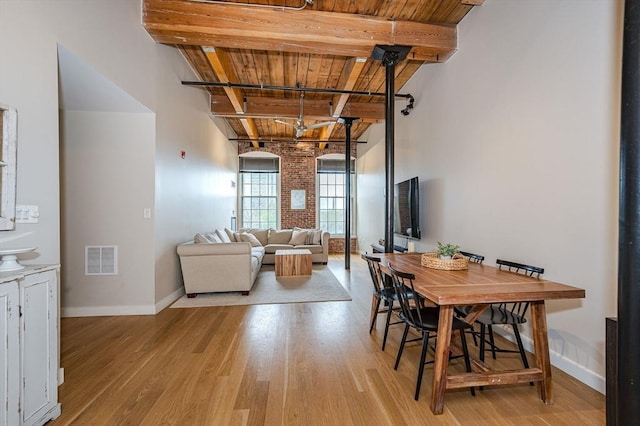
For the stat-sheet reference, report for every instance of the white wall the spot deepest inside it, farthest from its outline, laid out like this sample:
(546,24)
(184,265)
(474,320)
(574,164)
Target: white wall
(108,36)
(515,141)
(107,179)
(195,194)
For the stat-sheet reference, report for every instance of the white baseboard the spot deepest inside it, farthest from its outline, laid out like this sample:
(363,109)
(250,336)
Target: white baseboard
(169,299)
(588,377)
(104,311)
(107,311)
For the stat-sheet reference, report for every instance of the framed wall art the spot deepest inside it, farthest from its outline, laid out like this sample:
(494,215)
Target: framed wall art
(298,199)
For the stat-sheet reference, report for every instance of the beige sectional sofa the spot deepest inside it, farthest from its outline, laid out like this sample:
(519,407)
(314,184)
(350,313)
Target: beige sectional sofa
(314,240)
(223,261)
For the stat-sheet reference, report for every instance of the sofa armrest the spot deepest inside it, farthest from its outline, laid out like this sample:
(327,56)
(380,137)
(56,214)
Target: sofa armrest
(191,249)
(217,267)
(325,246)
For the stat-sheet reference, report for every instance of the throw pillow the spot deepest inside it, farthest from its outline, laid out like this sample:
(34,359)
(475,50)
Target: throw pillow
(213,238)
(224,237)
(314,236)
(200,239)
(261,234)
(309,239)
(236,237)
(279,236)
(298,238)
(317,236)
(251,239)
(229,233)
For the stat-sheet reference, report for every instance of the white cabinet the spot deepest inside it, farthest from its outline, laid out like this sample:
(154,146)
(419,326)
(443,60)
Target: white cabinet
(29,326)
(9,353)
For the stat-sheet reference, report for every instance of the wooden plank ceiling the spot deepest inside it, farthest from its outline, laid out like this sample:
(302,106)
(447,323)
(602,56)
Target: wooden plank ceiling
(255,45)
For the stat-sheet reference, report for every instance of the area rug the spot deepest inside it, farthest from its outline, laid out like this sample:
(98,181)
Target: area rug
(321,286)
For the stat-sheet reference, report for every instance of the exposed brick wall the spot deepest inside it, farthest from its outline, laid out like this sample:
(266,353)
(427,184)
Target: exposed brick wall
(298,171)
(336,245)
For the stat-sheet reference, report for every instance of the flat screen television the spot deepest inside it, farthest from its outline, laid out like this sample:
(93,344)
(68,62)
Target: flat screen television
(406,214)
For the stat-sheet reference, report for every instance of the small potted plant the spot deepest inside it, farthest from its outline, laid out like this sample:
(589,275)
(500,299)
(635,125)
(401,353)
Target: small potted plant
(446,250)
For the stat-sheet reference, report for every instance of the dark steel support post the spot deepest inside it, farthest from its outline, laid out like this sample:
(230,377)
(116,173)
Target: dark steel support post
(611,369)
(628,357)
(389,159)
(347,121)
(390,56)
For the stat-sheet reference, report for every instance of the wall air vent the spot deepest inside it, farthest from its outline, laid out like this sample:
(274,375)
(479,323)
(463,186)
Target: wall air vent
(101,260)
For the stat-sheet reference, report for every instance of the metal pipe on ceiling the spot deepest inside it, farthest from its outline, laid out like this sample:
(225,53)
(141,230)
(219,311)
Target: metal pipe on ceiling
(264,6)
(293,89)
(289,140)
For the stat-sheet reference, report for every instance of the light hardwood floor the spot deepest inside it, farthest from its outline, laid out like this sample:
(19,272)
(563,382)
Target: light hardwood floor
(295,364)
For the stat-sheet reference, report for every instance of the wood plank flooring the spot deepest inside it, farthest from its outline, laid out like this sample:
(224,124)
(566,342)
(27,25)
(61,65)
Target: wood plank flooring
(295,364)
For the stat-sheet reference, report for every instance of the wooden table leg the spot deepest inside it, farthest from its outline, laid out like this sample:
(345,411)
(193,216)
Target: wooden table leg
(441,361)
(541,345)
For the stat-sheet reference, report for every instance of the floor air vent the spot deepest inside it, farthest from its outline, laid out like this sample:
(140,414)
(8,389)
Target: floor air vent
(101,260)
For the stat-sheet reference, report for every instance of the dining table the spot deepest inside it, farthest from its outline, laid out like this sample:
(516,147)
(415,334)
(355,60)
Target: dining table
(481,285)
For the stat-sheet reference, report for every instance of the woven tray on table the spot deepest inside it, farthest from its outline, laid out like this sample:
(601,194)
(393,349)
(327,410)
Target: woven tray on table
(457,262)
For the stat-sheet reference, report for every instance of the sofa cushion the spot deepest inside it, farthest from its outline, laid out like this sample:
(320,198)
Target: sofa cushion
(250,238)
(313,248)
(298,237)
(236,237)
(279,236)
(261,234)
(223,236)
(255,263)
(271,248)
(257,252)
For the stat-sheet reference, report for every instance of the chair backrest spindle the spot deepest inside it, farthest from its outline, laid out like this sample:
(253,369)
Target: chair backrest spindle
(520,268)
(403,285)
(519,308)
(475,258)
(374,270)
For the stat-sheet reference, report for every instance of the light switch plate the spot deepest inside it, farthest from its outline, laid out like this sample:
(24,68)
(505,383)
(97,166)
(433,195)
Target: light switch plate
(27,214)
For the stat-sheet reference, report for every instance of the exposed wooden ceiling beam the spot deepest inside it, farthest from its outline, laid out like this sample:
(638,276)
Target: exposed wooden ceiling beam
(250,126)
(222,67)
(314,109)
(306,31)
(350,74)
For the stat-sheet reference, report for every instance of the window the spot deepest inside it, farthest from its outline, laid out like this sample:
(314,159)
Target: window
(259,192)
(331,195)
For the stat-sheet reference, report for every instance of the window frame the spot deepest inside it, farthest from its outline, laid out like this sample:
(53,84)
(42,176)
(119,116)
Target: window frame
(352,200)
(265,169)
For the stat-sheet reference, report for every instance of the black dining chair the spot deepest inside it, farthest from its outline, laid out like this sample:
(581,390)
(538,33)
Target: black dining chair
(382,291)
(475,258)
(462,311)
(422,319)
(512,314)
